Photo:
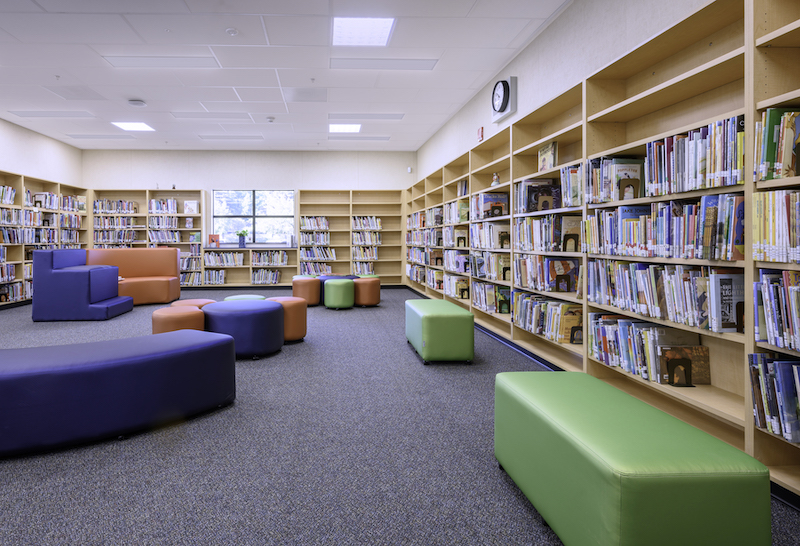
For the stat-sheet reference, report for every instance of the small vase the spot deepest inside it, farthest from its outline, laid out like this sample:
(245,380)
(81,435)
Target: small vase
(241,241)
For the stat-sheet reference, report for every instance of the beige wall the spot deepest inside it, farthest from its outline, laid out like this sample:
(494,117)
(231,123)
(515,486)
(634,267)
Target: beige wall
(31,154)
(587,36)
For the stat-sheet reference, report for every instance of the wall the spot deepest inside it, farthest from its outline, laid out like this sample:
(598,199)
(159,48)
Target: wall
(30,154)
(247,169)
(588,35)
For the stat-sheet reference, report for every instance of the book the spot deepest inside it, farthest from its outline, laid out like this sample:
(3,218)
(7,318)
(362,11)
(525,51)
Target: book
(684,366)
(790,141)
(213,240)
(191,207)
(548,156)
(194,237)
(562,275)
(786,394)
(726,302)
(570,233)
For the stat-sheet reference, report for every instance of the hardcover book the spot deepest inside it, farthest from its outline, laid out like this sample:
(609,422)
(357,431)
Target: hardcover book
(547,156)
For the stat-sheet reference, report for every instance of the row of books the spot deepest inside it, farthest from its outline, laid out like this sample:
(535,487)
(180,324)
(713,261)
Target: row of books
(547,274)
(456,286)
(550,233)
(490,266)
(43,199)
(16,291)
(453,236)
(73,203)
(3,254)
(115,206)
(311,223)
(537,195)
(72,236)
(416,237)
(652,351)
(776,143)
(491,298)
(363,268)
(416,220)
(213,276)
(697,296)
(456,212)
(163,236)
(8,272)
(706,157)
(266,276)
(311,238)
(162,206)
(777,308)
(711,228)
(416,273)
(488,205)
(775,382)
(367,222)
(10,217)
(365,252)
(115,236)
(190,263)
(557,321)
(163,222)
(317,253)
(7,194)
(489,236)
(366,238)
(462,187)
(34,218)
(191,278)
(434,216)
(435,279)
(223,259)
(776,226)
(71,221)
(315,268)
(457,261)
(572,185)
(270,257)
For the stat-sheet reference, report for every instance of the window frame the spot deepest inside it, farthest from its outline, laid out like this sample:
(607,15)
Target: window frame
(253,217)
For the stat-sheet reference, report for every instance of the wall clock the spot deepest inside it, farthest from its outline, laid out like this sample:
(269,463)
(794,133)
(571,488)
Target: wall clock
(504,99)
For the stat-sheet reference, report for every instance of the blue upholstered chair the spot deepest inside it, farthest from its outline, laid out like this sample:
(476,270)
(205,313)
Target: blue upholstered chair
(65,288)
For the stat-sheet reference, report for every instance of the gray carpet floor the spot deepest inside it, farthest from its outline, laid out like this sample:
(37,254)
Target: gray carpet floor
(343,438)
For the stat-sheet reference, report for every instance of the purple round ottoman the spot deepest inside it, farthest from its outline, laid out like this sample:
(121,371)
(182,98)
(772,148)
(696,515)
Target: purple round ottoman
(255,325)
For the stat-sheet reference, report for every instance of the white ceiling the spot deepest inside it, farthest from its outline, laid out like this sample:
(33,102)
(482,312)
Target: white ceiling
(268,87)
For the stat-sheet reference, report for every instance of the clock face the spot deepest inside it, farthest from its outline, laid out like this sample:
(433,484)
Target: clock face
(500,96)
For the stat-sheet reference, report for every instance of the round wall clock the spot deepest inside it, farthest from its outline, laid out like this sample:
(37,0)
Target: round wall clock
(500,96)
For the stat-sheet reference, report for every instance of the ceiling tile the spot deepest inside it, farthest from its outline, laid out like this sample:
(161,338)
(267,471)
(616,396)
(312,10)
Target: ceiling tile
(240,78)
(298,31)
(272,57)
(199,29)
(113,6)
(452,32)
(400,8)
(260,94)
(48,28)
(266,7)
(540,9)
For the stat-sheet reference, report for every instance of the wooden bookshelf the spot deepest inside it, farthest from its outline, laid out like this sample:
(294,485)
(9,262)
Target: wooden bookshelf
(731,58)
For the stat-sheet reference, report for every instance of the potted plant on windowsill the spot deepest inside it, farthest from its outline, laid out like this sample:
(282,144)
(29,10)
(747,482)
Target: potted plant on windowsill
(242,235)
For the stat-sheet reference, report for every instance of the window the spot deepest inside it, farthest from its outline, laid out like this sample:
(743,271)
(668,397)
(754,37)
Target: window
(267,215)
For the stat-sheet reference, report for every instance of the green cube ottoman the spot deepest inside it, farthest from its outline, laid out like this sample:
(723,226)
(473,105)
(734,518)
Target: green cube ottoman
(440,330)
(603,468)
(339,293)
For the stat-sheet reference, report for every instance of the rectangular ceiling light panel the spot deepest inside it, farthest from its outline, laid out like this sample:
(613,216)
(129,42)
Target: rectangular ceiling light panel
(362,31)
(344,127)
(133,126)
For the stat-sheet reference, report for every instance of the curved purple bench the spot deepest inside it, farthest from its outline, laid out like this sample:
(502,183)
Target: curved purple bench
(58,396)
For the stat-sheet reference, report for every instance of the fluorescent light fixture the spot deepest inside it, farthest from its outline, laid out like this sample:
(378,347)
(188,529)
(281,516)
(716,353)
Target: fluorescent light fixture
(162,62)
(344,127)
(362,31)
(51,114)
(384,64)
(356,137)
(133,126)
(345,117)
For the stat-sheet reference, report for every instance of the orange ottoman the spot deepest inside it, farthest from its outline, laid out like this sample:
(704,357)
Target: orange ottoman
(367,291)
(183,317)
(306,288)
(294,317)
(196,303)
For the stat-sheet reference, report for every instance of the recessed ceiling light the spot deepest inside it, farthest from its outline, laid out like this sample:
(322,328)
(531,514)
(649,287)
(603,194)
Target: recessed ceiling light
(133,126)
(137,103)
(361,31)
(344,127)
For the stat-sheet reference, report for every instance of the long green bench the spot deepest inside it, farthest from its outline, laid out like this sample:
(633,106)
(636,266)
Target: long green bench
(602,467)
(440,330)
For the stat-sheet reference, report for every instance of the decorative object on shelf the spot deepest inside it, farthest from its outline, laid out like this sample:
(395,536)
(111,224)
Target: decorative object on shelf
(495,179)
(242,233)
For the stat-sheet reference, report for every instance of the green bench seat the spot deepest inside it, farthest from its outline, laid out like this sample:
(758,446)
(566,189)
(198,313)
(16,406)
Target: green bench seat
(602,467)
(440,330)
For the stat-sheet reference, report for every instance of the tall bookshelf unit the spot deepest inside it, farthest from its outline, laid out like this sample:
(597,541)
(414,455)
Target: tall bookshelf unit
(363,230)
(730,60)
(12,264)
